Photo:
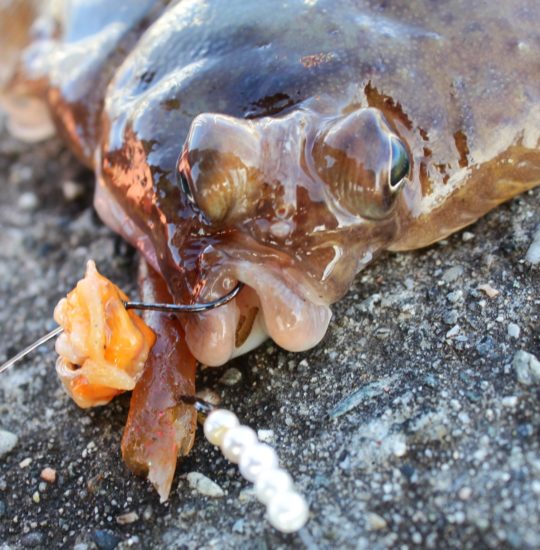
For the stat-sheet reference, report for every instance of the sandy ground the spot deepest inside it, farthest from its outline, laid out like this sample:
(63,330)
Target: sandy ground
(407,427)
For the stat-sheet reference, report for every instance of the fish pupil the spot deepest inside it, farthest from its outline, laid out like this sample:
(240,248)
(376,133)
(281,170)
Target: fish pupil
(400,162)
(184,185)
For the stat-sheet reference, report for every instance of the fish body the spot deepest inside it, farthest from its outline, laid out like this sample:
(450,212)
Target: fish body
(282,144)
(258,141)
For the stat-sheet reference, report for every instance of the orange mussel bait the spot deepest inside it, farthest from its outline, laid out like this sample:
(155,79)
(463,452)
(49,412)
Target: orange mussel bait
(104,347)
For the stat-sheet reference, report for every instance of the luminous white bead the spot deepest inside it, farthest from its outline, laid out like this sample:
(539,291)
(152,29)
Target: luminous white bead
(217,424)
(288,512)
(271,482)
(236,441)
(255,459)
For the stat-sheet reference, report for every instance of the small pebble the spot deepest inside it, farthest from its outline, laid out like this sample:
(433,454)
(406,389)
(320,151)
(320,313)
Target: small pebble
(231,377)
(375,522)
(32,540)
(465,493)
(72,190)
(48,475)
(513,330)
(467,236)
(204,485)
(527,368)
(400,448)
(454,331)
(148,513)
(454,296)
(127,518)
(485,346)
(25,463)
(450,317)
(36,498)
(238,526)
(105,540)
(533,254)
(132,542)
(28,201)
(452,274)
(525,430)
(266,436)
(455,404)
(510,401)
(8,440)
(489,291)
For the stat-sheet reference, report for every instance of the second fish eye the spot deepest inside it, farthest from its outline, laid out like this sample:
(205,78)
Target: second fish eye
(401,163)
(184,185)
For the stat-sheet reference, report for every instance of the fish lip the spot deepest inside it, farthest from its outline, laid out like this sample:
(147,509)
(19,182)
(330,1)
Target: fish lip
(294,280)
(281,269)
(290,311)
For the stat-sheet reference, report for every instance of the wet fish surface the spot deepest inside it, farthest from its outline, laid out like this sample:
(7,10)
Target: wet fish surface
(280,144)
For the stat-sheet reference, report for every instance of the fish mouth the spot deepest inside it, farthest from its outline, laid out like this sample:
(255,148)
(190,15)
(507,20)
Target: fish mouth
(276,302)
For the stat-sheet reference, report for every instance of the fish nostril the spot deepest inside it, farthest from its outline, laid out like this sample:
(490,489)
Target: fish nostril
(400,164)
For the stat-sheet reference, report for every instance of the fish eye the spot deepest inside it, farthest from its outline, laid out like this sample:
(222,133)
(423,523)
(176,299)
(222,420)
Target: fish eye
(400,164)
(184,186)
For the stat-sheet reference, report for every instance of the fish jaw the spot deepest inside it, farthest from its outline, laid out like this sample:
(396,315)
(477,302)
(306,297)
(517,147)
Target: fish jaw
(295,204)
(274,304)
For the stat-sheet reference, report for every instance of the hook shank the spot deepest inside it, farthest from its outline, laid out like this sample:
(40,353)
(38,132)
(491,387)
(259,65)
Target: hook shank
(189,308)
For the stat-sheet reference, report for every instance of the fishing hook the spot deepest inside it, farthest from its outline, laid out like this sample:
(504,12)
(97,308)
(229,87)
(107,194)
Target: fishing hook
(147,306)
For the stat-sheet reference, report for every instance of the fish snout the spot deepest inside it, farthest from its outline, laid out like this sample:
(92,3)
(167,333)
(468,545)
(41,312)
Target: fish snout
(362,162)
(219,167)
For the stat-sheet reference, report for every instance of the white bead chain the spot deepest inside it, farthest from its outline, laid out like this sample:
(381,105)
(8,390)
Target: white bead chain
(287,510)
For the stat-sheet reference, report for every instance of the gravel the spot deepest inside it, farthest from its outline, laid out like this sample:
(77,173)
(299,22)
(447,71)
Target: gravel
(204,485)
(231,377)
(527,368)
(32,540)
(513,330)
(453,274)
(127,518)
(8,441)
(105,540)
(402,431)
(533,254)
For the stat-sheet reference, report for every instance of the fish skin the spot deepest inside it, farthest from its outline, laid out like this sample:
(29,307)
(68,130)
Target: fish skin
(267,86)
